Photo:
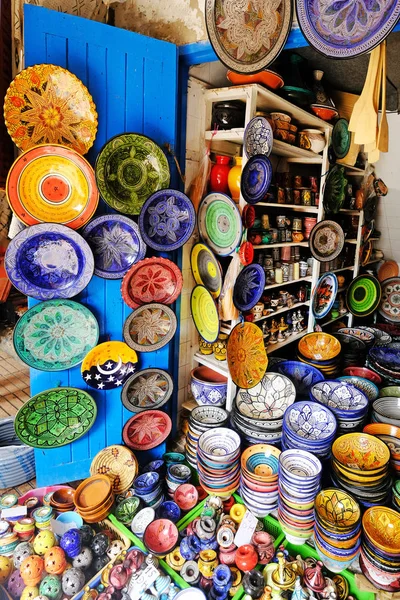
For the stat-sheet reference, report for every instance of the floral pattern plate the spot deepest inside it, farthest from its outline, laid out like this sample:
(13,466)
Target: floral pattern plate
(258,137)
(204,313)
(256,179)
(55,417)
(390,304)
(147,389)
(334,192)
(324,295)
(116,244)
(55,335)
(48,261)
(46,104)
(249,287)
(268,399)
(206,269)
(150,327)
(363,295)
(146,430)
(129,168)
(152,280)
(246,355)
(326,240)
(109,365)
(219,223)
(119,464)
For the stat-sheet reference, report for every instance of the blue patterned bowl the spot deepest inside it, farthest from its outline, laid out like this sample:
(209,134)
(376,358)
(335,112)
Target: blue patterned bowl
(256,178)
(365,385)
(169,510)
(302,375)
(300,466)
(208,387)
(342,398)
(387,357)
(147,482)
(219,444)
(307,420)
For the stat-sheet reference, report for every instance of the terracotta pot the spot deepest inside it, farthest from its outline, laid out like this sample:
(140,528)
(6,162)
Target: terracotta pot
(219,175)
(246,558)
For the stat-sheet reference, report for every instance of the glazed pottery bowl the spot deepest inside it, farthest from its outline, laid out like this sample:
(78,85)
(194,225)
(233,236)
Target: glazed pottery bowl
(382,526)
(299,465)
(361,452)
(342,398)
(333,564)
(127,509)
(390,391)
(337,509)
(390,434)
(186,496)
(160,536)
(364,385)
(385,559)
(219,444)
(381,579)
(268,399)
(386,356)
(335,552)
(92,493)
(310,421)
(147,482)
(319,346)
(301,374)
(208,387)
(206,417)
(261,462)
(141,520)
(169,510)
(62,497)
(366,336)
(388,409)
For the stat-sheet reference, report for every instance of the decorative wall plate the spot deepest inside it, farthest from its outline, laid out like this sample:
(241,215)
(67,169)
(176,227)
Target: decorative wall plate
(258,137)
(334,192)
(49,261)
(326,240)
(390,304)
(55,335)
(268,399)
(108,365)
(324,295)
(146,430)
(52,184)
(119,464)
(46,104)
(249,287)
(269,79)
(147,389)
(153,279)
(247,37)
(388,269)
(150,327)
(363,295)
(55,417)
(341,138)
(116,244)
(204,313)
(256,179)
(129,168)
(219,223)
(246,355)
(205,269)
(167,220)
(348,29)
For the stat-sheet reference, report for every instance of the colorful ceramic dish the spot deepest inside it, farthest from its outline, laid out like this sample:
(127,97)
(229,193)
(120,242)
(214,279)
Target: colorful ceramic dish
(92,492)
(362,334)
(150,327)
(146,430)
(219,223)
(151,280)
(387,270)
(246,355)
(205,269)
(319,346)
(303,376)
(268,399)
(147,389)
(365,385)
(390,434)
(360,452)
(256,178)
(390,305)
(326,240)
(129,168)
(337,508)
(258,137)
(324,112)
(334,193)
(382,527)
(119,464)
(269,79)
(55,418)
(55,335)
(108,365)
(204,313)
(324,295)
(48,261)
(363,372)
(341,138)
(249,287)
(363,295)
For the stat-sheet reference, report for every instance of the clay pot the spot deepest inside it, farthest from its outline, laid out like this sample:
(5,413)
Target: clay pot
(219,174)
(246,558)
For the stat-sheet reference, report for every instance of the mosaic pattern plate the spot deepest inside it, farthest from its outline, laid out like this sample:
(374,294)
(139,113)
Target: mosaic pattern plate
(334,192)
(326,240)
(324,295)
(205,269)
(219,223)
(55,417)
(365,385)
(55,335)
(258,137)
(204,313)
(363,295)
(256,179)
(116,244)
(119,464)
(146,430)
(147,389)
(109,365)
(268,399)
(390,304)
(246,355)
(150,327)
(249,287)
(129,168)
(48,261)
(341,138)
(152,280)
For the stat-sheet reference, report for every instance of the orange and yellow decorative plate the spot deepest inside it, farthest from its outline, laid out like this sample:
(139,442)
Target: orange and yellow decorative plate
(246,355)
(382,526)
(46,104)
(361,452)
(119,464)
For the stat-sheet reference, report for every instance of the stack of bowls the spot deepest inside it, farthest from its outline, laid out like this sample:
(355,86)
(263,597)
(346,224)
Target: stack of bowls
(365,385)
(363,372)
(391,436)
(259,479)
(63,500)
(360,465)
(309,426)
(218,461)
(348,403)
(337,528)
(386,410)
(385,360)
(354,350)
(94,498)
(202,418)
(177,475)
(299,482)
(364,334)
(320,350)
(301,375)
(148,488)
(380,548)
(396,495)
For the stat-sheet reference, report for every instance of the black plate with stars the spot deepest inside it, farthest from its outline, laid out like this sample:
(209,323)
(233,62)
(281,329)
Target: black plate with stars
(109,365)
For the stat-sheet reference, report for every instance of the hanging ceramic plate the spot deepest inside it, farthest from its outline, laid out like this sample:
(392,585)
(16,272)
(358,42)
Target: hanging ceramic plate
(390,305)
(55,418)
(256,179)
(167,220)
(205,269)
(52,184)
(269,79)
(326,240)
(46,104)
(247,37)
(129,168)
(49,261)
(55,335)
(324,295)
(388,269)
(152,280)
(219,223)
(116,244)
(147,389)
(119,464)
(246,355)
(341,138)
(334,191)
(347,29)
(363,295)
(249,287)
(150,327)
(109,365)
(204,313)
(258,137)
(146,430)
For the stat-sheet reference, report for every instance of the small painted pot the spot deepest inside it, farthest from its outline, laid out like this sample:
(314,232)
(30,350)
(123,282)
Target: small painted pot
(253,583)
(225,537)
(207,562)
(219,347)
(208,387)
(210,544)
(205,528)
(175,560)
(236,580)
(205,347)
(190,572)
(222,578)
(246,558)
(237,512)
(190,547)
(227,555)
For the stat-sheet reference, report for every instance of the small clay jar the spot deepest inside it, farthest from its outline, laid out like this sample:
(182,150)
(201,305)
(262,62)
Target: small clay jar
(219,174)
(210,544)
(264,545)
(222,579)
(207,562)
(253,583)
(190,572)
(225,536)
(190,547)
(246,557)
(227,555)
(205,584)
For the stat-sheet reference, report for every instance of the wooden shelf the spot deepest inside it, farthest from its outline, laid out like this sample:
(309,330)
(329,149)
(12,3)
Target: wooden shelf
(339,270)
(285,283)
(208,360)
(347,314)
(282,310)
(350,211)
(295,207)
(274,347)
(351,241)
(190,405)
(352,170)
(279,245)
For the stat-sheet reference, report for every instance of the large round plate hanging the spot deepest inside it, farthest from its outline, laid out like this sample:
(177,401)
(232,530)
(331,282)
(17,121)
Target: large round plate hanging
(146,430)
(150,327)
(326,240)
(258,137)
(108,365)
(153,279)
(341,138)
(204,313)
(324,295)
(390,304)
(256,179)
(363,295)
(205,269)
(246,355)
(249,287)
(219,223)
(147,389)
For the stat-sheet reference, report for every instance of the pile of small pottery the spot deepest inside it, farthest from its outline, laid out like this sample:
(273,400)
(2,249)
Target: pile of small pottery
(348,403)
(337,528)
(201,419)
(62,500)
(94,498)
(386,409)
(302,376)
(177,475)
(322,351)
(259,479)
(353,350)
(309,426)
(385,360)
(218,461)
(148,489)
(299,482)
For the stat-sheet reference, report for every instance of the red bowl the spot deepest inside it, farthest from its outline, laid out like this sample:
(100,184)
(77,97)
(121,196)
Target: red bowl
(363,372)
(186,496)
(160,536)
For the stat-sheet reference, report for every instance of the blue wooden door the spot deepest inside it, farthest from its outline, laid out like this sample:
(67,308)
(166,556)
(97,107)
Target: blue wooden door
(133,81)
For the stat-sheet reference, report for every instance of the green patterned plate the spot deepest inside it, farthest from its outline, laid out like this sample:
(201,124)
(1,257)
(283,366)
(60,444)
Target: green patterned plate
(341,138)
(219,223)
(363,295)
(55,335)
(129,169)
(55,417)
(334,193)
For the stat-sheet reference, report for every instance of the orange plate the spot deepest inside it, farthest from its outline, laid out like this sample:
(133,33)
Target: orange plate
(390,268)
(270,79)
(92,492)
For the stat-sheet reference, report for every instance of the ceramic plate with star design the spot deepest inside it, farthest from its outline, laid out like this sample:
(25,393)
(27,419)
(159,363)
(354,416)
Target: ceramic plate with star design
(150,280)
(146,430)
(150,327)
(108,365)
(147,389)
(249,287)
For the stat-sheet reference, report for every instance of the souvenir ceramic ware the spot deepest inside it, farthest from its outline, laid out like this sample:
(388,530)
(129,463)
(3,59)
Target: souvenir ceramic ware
(341,138)
(363,334)
(126,509)
(219,223)
(247,41)
(186,496)
(319,346)
(205,269)
(246,355)
(310,421)
(55,335)
(146,430)
(366,386)
(363,295)
(335,185)
(150,327)
(340,397)
(119,464)
(160,536)
(382,526)
(390,304)
(55,417)
(390,434)
(149,388)
(129,168)
(48,261)
(267,78)
(208,387)
(116,244)
(324,295)
(326,240)
(48,104)
(108,365)
(150,280)
(268,399)
(386,357)
(388,270)
(167,220)
(258,137)
(360,452)
(249,287)
(256,179)
(204,313)
(303,376)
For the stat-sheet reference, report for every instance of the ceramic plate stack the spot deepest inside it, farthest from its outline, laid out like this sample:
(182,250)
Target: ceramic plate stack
(362,333)
(259,479)
(309,426)
(380,548)
(94,498)
(302,376)
(360,465)
(299,482)
(385,360)
(218,461)
(202,418)
(386,410)
(63,500)
(322,351)
(337,528)
(348,403)
(354,350)
(148,489)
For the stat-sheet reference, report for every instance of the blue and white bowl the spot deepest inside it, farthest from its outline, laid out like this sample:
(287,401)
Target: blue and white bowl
(342,398)
(302,375)
(208,387)
(219,444)
(365,385)
(310,421)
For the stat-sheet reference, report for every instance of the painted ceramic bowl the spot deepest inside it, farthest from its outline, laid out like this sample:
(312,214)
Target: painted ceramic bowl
(390,391)
(337,509)
(363,372)
(333,564)
(342,398)
(261,462)
(302,375)
(160,536)
(319,346)
(127,509)
(312,421)
(268,399)
(364,385)
(146,482)
(366,336)
(142,519)
(361,452)
(219,444)
(169,510)
(299,465)
(208,387)
(377,576)
(387,357)
(388,434)
(186,496)
(388,410)
(382,526)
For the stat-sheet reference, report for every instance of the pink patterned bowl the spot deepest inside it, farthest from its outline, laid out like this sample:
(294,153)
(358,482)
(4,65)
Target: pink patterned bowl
(160,536)
(186,496)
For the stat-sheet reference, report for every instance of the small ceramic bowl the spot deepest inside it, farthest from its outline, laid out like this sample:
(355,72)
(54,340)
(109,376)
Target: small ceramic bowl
(389,409)
(390,434)
(342,398)
(363,372)
(141,520)
(186,496)
(169,510)
(70,517)
(382,526)
(160,536)
(219,444)
(147,482)
(319,346)
(299,465)
(127,509)
(337,508)
(364,385)
(261,462)
(361,451)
